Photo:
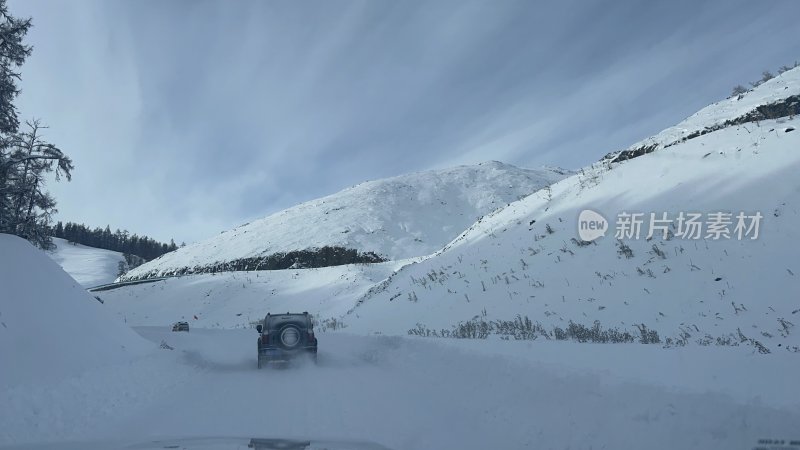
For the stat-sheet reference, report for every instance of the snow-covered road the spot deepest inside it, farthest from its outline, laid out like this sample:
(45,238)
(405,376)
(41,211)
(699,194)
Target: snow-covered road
(400,392)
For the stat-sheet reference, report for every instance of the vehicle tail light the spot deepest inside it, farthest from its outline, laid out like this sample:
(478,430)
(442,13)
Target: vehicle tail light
(265,339)
(311,337)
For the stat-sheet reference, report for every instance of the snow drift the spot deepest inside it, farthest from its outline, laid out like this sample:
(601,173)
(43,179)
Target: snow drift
(50,328)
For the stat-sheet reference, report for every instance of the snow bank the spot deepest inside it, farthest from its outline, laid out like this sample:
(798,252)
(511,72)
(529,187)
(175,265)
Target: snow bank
(50,328)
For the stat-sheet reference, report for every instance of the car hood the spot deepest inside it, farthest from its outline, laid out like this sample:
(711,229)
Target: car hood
(211,443)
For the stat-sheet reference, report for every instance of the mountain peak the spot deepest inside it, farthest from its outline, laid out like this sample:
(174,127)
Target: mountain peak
(400,217)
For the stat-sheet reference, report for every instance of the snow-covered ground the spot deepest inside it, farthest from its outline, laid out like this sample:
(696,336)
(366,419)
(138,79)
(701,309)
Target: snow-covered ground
(410,393)
(88,265)
(401,217)
(235,299)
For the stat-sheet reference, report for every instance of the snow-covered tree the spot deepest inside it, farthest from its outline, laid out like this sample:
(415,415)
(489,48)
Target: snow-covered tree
(27,207)
(25,158)
(12,55)
(738,90)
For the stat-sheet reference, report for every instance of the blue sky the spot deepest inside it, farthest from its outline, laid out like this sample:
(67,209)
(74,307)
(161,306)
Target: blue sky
(186,118)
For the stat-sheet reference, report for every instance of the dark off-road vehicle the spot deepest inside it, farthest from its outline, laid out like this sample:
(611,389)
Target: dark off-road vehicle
(284,337)
(180,326)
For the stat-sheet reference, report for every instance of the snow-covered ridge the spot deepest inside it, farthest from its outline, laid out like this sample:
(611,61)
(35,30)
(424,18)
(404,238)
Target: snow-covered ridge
(781,93)
(401,217)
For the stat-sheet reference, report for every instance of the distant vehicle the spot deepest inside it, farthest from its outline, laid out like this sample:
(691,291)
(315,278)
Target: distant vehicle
(284,337)
(180,326)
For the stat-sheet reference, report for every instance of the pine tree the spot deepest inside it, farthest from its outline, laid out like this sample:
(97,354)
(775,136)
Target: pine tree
(105,240)
(138,247)
(25,158)
(12,55)
(121,268)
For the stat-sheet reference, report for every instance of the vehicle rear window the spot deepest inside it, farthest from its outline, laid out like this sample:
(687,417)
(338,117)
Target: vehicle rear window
(273,322)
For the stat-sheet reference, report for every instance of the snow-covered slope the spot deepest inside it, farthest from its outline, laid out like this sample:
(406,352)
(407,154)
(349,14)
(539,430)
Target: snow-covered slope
(50,327)
(88,265)
(725,291)
(236,299)
(401,217)
(771,99)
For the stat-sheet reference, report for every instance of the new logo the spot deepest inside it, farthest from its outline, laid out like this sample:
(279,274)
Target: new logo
(591,225)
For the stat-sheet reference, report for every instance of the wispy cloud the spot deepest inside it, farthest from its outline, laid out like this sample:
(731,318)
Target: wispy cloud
(187,118)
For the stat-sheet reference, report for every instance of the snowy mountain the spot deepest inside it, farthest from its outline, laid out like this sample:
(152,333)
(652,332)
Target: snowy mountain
(528,260)
(401,217)
(89,266)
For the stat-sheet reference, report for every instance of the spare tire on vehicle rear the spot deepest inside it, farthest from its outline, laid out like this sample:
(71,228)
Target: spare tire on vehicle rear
(289,336)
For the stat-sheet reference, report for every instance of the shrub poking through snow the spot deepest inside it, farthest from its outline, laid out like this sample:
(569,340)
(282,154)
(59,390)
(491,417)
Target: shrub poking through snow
(523,328)
(647,336)
(624,250)
(331,324)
